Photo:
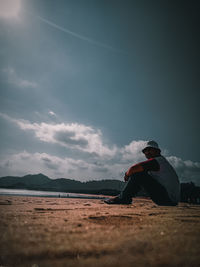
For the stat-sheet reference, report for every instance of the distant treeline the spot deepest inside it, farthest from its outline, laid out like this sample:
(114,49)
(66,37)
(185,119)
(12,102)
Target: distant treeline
(190,193)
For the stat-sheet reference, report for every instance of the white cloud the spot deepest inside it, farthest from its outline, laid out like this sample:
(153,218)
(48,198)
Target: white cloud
(52,113)
(132,151)
(13,78)
(72,135)
(187,170)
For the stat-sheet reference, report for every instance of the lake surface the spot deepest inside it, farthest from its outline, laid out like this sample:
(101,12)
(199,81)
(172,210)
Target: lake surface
(34,193)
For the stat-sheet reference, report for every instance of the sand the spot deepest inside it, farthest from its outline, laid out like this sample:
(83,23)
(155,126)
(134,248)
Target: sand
(49,232)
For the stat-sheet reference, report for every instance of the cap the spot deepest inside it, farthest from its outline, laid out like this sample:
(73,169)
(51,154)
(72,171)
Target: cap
(151,144)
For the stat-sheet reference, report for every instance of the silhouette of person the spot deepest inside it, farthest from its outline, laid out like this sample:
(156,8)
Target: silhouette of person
(155,175)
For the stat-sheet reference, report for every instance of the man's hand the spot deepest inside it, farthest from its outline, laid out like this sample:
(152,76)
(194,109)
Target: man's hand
(126,177)
(133,169)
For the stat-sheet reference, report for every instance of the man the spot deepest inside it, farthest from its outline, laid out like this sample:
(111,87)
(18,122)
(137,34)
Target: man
(155,175)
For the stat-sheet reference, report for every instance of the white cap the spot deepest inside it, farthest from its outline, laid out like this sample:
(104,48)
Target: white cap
(151,144)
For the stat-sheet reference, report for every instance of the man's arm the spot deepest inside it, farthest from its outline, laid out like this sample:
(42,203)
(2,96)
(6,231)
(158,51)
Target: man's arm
(148,165)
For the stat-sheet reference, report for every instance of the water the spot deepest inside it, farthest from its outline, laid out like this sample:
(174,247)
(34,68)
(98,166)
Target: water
(34,193)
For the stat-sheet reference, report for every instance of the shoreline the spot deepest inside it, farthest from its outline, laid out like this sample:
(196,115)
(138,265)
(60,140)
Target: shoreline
(39,193)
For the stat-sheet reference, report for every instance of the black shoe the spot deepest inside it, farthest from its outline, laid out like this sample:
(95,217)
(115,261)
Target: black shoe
(117,200)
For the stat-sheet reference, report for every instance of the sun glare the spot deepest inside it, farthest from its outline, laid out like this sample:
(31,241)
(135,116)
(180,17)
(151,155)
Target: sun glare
(9,8)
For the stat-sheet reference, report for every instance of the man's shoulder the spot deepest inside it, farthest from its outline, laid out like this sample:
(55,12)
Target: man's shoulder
(161,159)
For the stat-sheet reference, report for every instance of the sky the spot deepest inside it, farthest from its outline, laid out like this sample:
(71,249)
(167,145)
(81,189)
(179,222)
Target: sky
(85,83)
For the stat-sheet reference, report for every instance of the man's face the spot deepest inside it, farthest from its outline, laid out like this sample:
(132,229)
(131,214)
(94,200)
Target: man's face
(151,152)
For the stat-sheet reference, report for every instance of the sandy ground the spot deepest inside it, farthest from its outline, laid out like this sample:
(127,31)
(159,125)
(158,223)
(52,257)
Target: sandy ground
(49,232)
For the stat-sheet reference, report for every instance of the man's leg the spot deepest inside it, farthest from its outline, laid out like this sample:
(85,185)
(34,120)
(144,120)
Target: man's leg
(132,186)
(143,180)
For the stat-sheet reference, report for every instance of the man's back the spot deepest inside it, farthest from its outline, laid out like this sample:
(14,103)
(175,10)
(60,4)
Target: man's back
(167,177)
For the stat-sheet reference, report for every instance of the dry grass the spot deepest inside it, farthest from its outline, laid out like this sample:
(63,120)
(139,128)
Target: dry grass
(78,232)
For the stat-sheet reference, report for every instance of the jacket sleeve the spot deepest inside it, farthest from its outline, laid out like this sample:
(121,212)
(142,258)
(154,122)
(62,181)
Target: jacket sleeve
(148,165)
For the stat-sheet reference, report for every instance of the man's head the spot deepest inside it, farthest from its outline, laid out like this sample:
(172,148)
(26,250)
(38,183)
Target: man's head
(151,150)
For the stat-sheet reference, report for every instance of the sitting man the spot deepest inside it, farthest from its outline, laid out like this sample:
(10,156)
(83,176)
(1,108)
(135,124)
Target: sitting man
(155,175)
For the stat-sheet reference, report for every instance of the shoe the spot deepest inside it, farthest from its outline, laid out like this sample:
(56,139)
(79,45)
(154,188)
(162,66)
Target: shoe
(117,200)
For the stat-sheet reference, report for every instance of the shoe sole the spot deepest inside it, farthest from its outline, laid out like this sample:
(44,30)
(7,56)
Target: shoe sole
(114,203)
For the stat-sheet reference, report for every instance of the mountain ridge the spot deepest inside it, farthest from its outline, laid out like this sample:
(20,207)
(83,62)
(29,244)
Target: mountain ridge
(42,182)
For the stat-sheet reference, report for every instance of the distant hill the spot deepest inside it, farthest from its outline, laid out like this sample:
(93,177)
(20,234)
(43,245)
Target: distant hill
(42,182)
(35,179)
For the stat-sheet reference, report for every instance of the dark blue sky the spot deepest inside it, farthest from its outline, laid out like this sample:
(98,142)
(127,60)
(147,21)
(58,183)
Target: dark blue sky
(129,70)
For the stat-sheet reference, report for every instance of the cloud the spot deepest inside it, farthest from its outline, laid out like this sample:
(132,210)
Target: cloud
(52,113)
(24,162)
(50,163)
(14,79)
(132,151)
(100,169)
(69,135)
(69,138)
(187,170)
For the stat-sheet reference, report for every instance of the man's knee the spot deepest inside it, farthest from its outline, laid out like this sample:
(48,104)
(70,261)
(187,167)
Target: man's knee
(143,179)
(138,176)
